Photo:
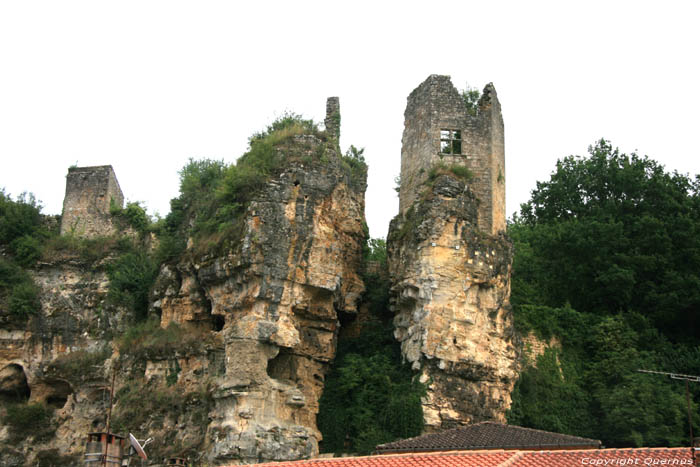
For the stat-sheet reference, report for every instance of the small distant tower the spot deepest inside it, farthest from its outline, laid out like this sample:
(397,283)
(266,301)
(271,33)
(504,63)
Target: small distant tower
(89,194)
(332,120)
(438,128)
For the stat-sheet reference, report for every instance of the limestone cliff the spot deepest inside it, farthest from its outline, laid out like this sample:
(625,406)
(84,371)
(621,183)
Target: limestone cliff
(237,376)
(451,284)
(276,298)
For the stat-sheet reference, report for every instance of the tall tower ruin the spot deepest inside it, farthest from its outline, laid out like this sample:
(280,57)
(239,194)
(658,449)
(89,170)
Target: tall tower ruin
(90,191)
(439,129)
(449,258)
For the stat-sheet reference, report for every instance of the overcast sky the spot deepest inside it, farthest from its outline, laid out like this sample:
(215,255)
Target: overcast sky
(145,85)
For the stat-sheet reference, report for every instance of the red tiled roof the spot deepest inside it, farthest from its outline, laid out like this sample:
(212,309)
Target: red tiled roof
(604,457)
(472,459)
(488,435)
(500,458)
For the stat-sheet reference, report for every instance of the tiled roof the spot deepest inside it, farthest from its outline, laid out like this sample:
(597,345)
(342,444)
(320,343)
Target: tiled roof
(488,435)
(607,457)
(472,459)
(501,458)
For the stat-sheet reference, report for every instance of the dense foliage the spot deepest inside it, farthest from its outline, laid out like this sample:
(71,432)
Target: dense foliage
(608,263)
(214,195)
(130,278)
(370,397)
(25,420)
(21,235)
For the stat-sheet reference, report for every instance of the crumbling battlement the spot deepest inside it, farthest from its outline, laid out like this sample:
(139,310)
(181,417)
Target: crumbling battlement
(89,192)
(439,129)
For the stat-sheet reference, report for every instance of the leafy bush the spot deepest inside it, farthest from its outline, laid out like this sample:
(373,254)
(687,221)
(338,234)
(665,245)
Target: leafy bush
(130,278)
(471,98)
(137,406)
(370,397)
(27,250)
(18,291)
(18,218)
(79,365)
(53,458)
(214,195)
(24,299)
(134,215)
(354,163)
(27,420)
(150,340)
(287,124)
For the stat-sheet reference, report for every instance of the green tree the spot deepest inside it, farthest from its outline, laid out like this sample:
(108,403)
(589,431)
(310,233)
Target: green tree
(607,257)
(369,398)
(615,232)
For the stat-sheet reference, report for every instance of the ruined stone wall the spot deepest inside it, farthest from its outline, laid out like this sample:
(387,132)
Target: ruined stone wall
(450,261)
(436,105)
(89,192)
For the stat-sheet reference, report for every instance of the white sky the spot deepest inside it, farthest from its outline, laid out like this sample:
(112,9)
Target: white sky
(145,85)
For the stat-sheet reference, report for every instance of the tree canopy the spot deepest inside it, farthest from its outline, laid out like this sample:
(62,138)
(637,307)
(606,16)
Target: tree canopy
(607,261)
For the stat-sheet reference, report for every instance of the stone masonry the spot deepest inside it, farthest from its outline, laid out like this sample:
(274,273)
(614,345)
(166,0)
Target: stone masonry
(89,193)
(437,106)
(450,260)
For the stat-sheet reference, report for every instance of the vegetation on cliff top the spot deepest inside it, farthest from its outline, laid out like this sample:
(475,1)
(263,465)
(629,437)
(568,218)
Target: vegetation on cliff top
(214,195)
(608,262)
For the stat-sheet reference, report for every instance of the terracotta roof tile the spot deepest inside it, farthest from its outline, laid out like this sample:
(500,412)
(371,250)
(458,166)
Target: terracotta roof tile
(488,435)
(606,457)
(500,458)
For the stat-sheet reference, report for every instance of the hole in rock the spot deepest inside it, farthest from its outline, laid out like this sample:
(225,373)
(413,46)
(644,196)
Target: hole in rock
(282,367)
(218,322)
(58,393)
(13,384)
(296,182)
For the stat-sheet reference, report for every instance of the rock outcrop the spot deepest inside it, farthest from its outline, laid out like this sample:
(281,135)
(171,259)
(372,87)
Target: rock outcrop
(449,258)
(451,284)
(277,298)
(233,368)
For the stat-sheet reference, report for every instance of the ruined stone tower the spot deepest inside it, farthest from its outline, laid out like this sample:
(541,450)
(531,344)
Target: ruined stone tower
(440,129)
(89,193)
(449,258)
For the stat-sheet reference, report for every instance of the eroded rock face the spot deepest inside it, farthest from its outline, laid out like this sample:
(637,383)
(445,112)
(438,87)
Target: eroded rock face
(275,299)
(239,380)
(73,319)
(451,287)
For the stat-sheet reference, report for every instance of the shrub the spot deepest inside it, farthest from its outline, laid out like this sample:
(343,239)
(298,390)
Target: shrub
(130,278)
(354,163)
(27,250)
(53,458)
(150,340)
(471,98)
(79,365)
(370,397)
(18,218)
(133,215)
(26,420)
(288,123)
(459,171)
(90,250)
(138,405)
(24,299)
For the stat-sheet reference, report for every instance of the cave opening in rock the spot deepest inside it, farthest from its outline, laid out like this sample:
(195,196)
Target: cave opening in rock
(282,367)
(58,392)
(13,384)
(218,322)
